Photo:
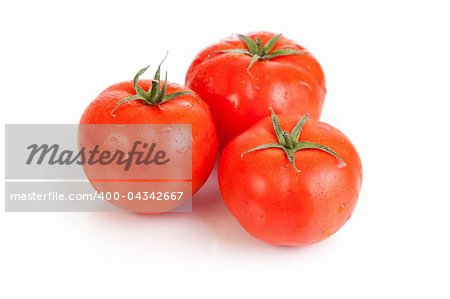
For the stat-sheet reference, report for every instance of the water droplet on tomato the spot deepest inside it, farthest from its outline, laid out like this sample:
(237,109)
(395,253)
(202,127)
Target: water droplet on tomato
(341,164)
(183,149)
(342,208)
(306,84)
(186,104)
(113,140)
(234,100)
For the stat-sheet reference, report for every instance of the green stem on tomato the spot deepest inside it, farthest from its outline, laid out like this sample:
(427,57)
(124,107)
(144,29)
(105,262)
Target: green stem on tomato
(290,143)
(155,95)
(259,51)
(287,140)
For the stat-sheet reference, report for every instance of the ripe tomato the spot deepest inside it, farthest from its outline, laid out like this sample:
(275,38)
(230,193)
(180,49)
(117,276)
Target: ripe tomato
(241,77)
(289,192)
(155,102)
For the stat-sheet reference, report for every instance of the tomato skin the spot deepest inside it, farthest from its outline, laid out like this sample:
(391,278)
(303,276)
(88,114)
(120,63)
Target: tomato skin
(239,98)
(184,109)
(280,206)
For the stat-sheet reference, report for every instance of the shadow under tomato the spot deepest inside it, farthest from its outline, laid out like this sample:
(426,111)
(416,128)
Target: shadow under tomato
(210,225)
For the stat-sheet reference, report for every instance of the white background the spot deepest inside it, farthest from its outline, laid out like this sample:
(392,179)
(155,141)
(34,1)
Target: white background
(387,69)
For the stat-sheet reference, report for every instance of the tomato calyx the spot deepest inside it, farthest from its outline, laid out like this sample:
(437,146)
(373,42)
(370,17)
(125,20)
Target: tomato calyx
(258,51)
(155,95)
(290,143)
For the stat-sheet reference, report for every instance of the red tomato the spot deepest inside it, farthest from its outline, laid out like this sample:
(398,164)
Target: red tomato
(241,77)
(164,103)
(290,192)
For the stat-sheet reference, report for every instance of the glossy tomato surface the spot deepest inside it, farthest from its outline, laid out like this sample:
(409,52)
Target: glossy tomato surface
(279,205)
(239,97)
(184,109)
